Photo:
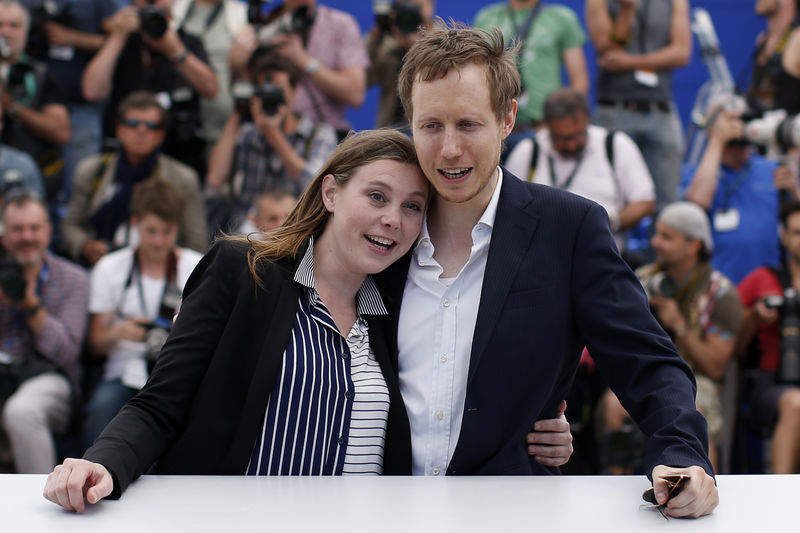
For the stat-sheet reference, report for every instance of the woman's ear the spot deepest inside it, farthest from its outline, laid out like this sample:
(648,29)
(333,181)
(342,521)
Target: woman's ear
(329,187)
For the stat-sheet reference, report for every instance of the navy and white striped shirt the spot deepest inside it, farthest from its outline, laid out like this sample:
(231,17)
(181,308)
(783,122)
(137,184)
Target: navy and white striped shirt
(327,412)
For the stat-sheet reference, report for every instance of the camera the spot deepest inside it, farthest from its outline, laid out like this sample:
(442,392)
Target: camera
(661,285)
(774,301)
(401,15)
(789,363)
(46,11)
(12,282)
(297,21)
(153,21)
(271,97)
(155,337)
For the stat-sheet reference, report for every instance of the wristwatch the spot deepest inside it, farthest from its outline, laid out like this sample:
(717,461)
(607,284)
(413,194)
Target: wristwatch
(312,66)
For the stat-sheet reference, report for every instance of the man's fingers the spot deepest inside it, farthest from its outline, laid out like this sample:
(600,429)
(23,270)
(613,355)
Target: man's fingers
(551,424)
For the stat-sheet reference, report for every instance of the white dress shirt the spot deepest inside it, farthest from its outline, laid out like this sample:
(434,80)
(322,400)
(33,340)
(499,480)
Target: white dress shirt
(437,323)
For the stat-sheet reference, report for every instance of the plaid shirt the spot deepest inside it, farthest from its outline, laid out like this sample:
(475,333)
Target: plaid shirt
(258,168)
(64,292)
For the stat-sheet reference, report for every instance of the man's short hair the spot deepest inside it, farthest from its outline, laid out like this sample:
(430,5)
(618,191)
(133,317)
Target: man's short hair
(20,197)
(157,196)
(565,102)
(24,11)
(788,209)
(265,59)
(141,100)
(453,46)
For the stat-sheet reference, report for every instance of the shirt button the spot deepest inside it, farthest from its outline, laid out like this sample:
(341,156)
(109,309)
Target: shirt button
(348,394)
(341,440)
(446,303)
(444,359)
(435,471)
(345,355)
(440,415)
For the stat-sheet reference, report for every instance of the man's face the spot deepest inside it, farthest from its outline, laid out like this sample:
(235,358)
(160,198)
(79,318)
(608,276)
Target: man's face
(671,247)
(568,135)
(27,234)
(271,213)
(13,27)
(790,237)
(457,135)
(157,237)
(141,132)
(294,4)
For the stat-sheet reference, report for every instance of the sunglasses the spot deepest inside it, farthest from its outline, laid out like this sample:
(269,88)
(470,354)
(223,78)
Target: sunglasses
(149,124)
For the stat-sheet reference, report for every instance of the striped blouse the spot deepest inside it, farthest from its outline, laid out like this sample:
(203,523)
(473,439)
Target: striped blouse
(326,414)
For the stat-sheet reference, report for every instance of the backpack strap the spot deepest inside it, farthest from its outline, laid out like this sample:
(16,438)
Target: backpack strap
(609,143)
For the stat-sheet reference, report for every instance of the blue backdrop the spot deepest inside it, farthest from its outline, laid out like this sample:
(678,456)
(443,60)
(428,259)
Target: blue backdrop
(736,24)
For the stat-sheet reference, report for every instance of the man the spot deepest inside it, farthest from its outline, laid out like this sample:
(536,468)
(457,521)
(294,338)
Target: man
(68,36)
(510,280)
(775,403)
(551,36)
(35,118)
(770,46)
(152,56)
(97,216)
(386,48)
(638,44)
(134,294)
(265,149)
(736,187)
(17,169)
(699,308)
(42,327)
(587,160)
(329,51)
(216,23)
(269,210)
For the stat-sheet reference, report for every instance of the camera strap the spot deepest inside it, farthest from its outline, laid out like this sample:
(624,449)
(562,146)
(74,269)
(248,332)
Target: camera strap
(783,275)
(170,285)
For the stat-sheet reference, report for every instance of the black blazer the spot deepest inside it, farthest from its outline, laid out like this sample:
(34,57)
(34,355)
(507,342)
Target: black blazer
(554,283)
(201,409)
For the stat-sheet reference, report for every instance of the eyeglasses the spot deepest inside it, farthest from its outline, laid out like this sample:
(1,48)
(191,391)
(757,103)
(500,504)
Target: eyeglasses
(149,124)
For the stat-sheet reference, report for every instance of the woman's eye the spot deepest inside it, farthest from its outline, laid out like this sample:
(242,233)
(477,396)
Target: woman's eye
(378,197)
(414,207)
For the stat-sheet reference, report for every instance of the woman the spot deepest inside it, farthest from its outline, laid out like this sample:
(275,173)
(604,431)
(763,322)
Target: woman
(279,322)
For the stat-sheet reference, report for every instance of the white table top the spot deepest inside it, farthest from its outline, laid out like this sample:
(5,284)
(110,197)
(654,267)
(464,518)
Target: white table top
(585,504)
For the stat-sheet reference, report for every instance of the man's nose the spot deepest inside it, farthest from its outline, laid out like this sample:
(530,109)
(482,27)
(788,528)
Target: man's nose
(451,145)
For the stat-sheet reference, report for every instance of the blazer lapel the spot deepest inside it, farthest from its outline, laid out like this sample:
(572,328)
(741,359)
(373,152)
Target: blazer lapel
(265,371)
(513,230)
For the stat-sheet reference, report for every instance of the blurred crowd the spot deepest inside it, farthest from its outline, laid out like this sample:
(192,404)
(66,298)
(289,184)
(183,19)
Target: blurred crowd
(135,133)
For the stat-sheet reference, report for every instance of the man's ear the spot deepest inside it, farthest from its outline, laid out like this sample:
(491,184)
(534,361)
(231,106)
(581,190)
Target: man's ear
(509,119)
(329,187)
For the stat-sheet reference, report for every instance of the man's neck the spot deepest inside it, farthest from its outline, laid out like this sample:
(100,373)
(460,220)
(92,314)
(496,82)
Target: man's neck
(522,4)
(680,272)
(794,271)
(152,267)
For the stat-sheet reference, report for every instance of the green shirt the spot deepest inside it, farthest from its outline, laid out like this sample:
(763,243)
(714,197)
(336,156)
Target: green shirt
(555,30)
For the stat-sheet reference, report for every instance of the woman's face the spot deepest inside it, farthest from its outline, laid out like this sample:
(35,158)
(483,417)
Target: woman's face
(375,217)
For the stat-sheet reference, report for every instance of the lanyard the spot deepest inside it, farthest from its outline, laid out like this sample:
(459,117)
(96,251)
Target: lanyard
(734,186)
(564,186)
(522,31)
(171,274)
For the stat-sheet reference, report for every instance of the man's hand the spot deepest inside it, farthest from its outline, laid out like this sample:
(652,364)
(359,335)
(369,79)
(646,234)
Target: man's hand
(616,60)
(169,45)
(94,250)
(699,498)
(785,179)
(290,46)
(77,481)
(268,125)
(763,314)
(727,127)
(125,21)
(132,329)
(550,443)
(58,35)
(668,313)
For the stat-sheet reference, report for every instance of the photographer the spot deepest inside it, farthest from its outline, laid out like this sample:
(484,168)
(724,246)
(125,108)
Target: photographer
(42,326)
(35,118)
(266,147)
(770,304)
(736,186)
(134,294)
(699,308)
(323,43)
(143,52)
(387,43)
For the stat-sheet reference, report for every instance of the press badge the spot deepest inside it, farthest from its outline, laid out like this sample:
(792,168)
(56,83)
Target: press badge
(648,78)
(727,220)
(62,53)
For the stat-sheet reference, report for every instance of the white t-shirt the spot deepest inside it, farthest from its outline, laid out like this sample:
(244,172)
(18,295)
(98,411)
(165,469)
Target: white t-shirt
(107,293)
(594,178)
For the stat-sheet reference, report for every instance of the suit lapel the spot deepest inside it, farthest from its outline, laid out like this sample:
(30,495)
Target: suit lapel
(513,229)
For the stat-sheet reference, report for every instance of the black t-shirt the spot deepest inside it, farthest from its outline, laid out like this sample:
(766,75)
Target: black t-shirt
(139,67)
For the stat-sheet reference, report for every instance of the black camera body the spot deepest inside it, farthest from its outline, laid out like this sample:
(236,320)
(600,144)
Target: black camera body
(298,21)
(41,12)
(271,97)
(12,282)
(789,363)
(660,284)
(153,21)
(401,15)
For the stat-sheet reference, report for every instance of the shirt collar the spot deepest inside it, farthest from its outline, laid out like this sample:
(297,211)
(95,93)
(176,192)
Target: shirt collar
(368,298)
